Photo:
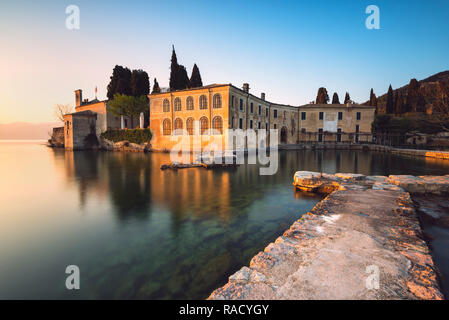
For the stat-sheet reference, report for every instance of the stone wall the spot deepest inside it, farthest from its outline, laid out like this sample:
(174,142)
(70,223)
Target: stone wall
(411,152)
(57,138)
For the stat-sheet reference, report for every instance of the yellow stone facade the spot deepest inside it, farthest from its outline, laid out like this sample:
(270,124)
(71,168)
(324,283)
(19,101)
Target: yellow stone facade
(224,106)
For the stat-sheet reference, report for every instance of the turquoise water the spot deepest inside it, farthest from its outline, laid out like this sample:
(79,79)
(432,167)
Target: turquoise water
(137,232)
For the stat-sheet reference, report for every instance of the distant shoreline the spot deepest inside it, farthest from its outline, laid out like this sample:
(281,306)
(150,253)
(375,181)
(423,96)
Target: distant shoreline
(23,140)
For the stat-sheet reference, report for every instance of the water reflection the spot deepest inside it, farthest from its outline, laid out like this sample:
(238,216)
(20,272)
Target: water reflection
(137,232)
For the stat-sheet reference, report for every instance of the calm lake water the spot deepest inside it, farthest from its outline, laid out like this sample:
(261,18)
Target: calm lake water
(137,232)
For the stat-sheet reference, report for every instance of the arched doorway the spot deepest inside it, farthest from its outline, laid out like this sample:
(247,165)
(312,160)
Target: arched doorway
(283,135)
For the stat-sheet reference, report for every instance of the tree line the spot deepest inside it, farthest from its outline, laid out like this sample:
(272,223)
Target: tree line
(323,97)
(128,89)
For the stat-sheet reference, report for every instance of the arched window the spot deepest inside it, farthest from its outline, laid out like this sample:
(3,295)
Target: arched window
(177,104)
(178,126)
(166,127)
(217,101)
(189,126)
(217,125)
(204,125)
(166,106)
(203,102)
(190,103)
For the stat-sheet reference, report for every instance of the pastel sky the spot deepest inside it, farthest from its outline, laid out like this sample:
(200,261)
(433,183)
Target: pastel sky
(287,49)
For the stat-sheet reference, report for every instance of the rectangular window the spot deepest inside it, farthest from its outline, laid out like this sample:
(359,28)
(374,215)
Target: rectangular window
(266,126)
(359,115)
(252,107)
(303,130)
(357,128)
(275,113)
(266,112)
(240,123)
(274,126)
(259,125)
(321,115)
(241,104)
(338,135)
(320,135)
(340,116)
(250,124)
(260,109)
(303,116)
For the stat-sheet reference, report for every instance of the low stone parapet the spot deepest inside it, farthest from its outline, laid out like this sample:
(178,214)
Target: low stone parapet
(410,152)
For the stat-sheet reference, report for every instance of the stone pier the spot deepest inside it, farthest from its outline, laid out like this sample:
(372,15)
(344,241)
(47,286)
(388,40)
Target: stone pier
(363,241)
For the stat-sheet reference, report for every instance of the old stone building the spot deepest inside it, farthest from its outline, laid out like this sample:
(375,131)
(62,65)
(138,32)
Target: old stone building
(224,106)
(90,117)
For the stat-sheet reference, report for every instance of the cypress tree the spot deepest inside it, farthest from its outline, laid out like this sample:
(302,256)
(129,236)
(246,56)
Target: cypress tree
(389,106)
(156,88)
(174,71)
(347,98)
(322,96)
(184,81)
(335,99)
(372,99)
(195,78)
(178,74)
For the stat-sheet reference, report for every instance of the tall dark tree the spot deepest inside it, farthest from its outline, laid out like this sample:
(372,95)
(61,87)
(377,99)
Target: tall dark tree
(178,74)
(140,83)
(322,96)
(174,69)
(347,98)
(120,82)
(184,81)
(195,78)
(156,88)
(399,103)
(335,99)
(390,103)
(372,99)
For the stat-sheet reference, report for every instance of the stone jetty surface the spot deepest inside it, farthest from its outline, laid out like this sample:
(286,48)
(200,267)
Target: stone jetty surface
(363,241)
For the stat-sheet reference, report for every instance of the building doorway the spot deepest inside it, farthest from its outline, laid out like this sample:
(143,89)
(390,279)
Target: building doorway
(284,135)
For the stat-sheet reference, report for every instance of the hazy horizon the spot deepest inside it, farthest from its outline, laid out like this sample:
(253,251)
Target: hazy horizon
(27,130)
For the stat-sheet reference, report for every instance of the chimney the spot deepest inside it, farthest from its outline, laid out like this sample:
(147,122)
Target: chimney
(78,97)
(262,96)
(246,87)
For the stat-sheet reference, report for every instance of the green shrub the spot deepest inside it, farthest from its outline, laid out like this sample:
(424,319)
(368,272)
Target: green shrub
(138,136)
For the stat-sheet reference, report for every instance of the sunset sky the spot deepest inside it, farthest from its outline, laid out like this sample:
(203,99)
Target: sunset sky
(286,49)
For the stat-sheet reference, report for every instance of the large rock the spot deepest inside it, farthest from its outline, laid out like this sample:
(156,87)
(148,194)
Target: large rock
(309,181)
(410,183)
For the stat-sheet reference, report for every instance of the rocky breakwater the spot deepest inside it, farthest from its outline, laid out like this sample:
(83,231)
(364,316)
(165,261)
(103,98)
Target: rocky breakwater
(363,241)
(123,146)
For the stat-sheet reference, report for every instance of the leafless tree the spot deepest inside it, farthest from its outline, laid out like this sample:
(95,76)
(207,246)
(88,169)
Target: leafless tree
(61,110)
